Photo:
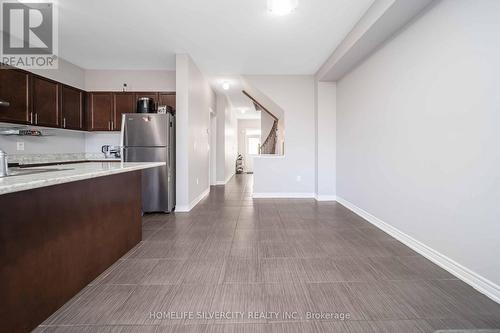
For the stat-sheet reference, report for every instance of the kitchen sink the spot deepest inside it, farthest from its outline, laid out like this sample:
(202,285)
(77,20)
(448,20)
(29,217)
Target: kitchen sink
(13,172)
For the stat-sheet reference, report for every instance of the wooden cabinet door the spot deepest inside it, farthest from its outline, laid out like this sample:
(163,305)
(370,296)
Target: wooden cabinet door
(101,111)
(122,103)
(167,99)
(45,97)
(71,108)
(15,89)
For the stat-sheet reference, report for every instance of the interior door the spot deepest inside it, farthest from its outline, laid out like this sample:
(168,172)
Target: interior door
(252,149)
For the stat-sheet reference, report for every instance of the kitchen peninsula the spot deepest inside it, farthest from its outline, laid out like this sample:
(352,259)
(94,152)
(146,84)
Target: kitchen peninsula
(60,227)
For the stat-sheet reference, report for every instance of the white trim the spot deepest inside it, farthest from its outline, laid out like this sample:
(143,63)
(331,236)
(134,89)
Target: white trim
(283,195)
(224,182)
(475,280)
(182,209)
(185,209)
(321,197)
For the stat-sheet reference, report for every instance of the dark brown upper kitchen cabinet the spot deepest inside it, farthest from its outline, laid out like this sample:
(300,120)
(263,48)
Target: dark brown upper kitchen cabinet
(15,103)
(100,111)
(45,99)
(71,108)
(122,103)
(167,99)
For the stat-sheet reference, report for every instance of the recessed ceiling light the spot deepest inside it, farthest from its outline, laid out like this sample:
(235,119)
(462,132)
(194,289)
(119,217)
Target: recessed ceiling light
(243,111)
(282,7)
(226,85)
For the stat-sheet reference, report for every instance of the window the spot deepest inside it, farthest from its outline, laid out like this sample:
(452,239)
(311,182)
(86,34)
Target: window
(253,144)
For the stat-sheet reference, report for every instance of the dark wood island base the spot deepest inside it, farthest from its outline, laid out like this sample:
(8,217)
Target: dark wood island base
(55,240)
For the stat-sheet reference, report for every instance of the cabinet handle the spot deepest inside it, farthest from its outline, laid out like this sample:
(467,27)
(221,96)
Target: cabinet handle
(36,118)
(4,103)
(64,122)
(112,125)
(109,125)
(31,117)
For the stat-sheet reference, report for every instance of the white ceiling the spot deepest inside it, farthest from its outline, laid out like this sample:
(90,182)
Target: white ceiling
(242,106)
(222,36)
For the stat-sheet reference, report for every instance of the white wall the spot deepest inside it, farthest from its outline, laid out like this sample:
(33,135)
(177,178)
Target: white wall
(277,175)
(222,101)
(227,139)
(231,146)
(67,73)
(243,126)
(418,133)
(201,99)
(326,140)
(194,100)
(213,148)
(137,80)
(182,137)
(59,142)
(95,141)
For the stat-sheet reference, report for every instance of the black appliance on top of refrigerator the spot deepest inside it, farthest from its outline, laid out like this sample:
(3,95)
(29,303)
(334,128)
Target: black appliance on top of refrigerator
(151,138)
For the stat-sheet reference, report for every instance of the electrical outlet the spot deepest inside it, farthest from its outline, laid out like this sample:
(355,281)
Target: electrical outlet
(299,179)
(20,146)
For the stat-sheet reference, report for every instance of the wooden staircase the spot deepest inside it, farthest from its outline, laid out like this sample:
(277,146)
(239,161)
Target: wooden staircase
(270,144)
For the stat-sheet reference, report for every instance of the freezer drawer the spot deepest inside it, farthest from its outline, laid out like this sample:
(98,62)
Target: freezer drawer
(156,191)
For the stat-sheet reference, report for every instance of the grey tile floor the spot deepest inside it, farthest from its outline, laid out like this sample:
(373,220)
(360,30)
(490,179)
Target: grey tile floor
(276,259)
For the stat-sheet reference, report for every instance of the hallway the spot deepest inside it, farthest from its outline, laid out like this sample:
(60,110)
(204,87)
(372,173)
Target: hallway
(278,260)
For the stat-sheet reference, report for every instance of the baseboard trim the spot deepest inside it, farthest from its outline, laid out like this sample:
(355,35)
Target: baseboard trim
(287,195)
(224,182)
(283,195)
(192,204)
(182,209)
(473,279)
(320,197)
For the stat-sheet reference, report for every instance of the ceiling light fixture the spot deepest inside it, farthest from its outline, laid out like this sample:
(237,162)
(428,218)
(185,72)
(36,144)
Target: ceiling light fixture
(226,85)
(282,7)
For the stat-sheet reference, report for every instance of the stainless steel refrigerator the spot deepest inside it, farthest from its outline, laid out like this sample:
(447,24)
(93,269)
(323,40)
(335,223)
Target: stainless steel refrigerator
(151,138)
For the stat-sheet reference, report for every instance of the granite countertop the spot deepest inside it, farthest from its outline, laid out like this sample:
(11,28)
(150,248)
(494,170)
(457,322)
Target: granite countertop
(59,174)
(43,159)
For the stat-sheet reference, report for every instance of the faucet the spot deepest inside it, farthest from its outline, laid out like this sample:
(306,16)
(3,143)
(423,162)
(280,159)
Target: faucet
(4,166)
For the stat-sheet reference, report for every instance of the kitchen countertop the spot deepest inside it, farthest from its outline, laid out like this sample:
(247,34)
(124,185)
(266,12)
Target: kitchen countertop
(31,159)
(68,173)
